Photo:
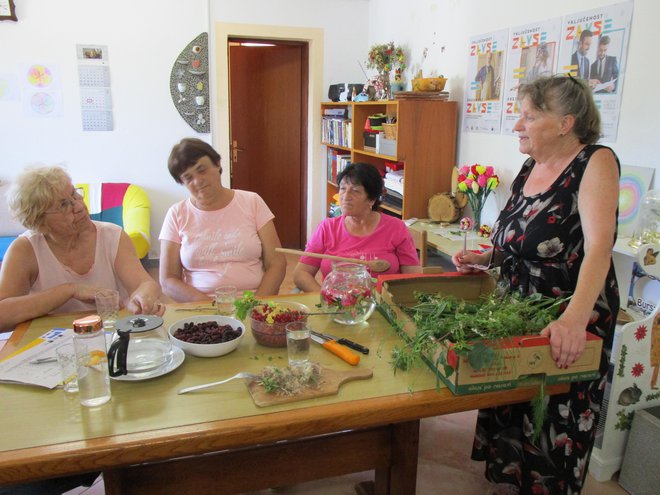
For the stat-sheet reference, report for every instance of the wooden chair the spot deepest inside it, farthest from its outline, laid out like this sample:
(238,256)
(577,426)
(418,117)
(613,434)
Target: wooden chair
(421,244)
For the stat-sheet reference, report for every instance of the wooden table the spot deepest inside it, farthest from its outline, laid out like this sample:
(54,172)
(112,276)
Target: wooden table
(148,439)
(444,245)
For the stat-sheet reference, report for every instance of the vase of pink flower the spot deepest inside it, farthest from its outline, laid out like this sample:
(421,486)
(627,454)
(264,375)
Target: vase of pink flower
(477,182)
(348,289)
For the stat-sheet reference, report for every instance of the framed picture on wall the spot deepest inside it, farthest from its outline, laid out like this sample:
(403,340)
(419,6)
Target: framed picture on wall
(7,10)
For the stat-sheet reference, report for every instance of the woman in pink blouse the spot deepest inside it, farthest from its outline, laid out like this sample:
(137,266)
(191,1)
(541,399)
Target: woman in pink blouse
(360,232)
(217,236)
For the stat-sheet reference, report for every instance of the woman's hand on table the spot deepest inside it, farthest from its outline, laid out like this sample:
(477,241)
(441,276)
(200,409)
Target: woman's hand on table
(147,300)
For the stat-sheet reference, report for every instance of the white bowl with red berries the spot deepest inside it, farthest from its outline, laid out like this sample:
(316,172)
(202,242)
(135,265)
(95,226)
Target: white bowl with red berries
(268,321)
(207,335)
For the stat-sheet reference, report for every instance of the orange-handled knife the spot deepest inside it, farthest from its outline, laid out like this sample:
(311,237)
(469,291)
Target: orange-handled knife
(338,350)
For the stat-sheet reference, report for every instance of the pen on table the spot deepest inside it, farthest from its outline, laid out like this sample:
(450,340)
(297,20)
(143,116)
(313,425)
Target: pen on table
(44,360)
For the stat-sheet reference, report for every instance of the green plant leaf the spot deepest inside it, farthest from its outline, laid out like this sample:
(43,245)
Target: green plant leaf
(481,356)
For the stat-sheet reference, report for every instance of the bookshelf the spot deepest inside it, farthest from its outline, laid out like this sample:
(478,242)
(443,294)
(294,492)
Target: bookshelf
(426,145)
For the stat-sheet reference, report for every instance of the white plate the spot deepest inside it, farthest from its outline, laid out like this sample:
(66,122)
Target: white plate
(177,358)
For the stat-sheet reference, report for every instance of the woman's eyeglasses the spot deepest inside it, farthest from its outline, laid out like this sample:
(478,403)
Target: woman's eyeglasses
(66,205)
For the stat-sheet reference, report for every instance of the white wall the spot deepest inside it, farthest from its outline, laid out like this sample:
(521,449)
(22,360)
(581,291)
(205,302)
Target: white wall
(450,23)
(143,39)
(145,36)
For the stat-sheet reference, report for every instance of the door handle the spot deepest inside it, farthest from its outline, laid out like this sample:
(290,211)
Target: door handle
(234,151)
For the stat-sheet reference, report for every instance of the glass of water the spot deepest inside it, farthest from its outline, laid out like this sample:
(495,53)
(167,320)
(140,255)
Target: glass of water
(298,343)
(107,307)
(225,296)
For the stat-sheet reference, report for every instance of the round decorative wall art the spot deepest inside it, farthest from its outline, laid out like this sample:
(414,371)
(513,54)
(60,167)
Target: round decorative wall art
(189,84)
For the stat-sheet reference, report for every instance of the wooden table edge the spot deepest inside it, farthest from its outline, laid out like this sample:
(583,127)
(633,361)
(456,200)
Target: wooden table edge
(123,450)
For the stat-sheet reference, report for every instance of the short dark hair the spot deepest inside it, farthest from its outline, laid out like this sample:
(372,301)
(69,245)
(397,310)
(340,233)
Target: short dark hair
(566,96)
(604,40)
(367,176)
(188,152)
(585,34)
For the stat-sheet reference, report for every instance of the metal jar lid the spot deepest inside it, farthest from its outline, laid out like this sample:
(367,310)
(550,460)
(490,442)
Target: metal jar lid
(88,324)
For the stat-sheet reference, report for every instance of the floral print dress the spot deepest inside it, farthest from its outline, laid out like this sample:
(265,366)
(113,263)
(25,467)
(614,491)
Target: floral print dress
(542,241)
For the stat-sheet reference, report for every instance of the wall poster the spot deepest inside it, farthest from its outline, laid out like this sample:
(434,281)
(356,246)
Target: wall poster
(484,84)
(533,53)
(594,47)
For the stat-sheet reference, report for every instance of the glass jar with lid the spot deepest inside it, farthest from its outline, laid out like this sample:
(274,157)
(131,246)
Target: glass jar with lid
(92,361)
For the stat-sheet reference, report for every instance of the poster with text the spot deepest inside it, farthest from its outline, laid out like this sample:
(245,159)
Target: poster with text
(533,53)
(484,84)
(594,46)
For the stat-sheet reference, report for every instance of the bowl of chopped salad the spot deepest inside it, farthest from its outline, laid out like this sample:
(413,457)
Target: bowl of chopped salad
(268,321)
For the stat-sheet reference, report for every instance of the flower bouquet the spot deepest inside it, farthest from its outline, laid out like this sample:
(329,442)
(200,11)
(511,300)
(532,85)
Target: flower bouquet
(384,58)
(477,182)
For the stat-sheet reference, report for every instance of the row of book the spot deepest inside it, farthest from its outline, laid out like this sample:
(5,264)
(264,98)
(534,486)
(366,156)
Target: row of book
(336,131)
(337,161)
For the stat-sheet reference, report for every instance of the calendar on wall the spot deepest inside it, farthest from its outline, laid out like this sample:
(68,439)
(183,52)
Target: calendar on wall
(96,120)
(94,76)
(95,91)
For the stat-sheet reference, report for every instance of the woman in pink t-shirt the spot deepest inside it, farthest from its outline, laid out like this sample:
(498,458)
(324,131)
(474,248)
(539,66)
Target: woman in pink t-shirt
(218,236)
(360,232)
(66,258)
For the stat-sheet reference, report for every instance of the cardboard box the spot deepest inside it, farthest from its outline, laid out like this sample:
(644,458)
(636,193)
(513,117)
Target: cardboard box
(385,146)
(516,359)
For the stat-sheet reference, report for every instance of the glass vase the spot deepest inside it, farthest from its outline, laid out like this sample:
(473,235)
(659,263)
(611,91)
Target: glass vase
(348,288)
(476,205)
(386,87)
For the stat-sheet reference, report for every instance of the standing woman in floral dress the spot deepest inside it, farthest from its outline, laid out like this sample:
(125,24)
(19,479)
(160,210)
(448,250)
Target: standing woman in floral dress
(555,236)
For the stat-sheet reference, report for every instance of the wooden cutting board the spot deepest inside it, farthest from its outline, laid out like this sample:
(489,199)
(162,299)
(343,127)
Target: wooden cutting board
(332,380)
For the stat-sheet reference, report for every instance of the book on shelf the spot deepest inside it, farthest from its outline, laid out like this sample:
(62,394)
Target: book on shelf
(337,131)
(337,161)
(393,185)
(393,199)
(336,112)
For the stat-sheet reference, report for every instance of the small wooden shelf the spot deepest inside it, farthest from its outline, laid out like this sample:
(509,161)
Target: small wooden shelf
(426,144)
(336,146)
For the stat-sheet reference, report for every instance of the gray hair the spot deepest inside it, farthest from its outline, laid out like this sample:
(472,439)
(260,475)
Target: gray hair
(566,96)
(34,192)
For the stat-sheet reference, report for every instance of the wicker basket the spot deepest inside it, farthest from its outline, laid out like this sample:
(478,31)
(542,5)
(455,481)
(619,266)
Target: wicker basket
(390,131)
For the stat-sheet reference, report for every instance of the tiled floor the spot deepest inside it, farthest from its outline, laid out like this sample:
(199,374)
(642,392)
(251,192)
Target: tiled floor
(444,463)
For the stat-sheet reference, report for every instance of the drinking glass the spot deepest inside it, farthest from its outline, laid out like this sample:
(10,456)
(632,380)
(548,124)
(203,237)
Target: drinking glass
(225,296)
(298,340)
(107,307)
(66,359)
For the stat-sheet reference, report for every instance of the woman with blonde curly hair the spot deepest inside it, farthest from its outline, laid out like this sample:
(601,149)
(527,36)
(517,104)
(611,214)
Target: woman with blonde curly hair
(65,258)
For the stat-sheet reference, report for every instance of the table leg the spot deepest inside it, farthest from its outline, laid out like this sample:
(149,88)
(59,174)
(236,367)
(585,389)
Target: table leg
(401,475)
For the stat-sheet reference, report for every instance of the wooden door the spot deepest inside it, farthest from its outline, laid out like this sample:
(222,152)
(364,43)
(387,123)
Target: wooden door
(268,95)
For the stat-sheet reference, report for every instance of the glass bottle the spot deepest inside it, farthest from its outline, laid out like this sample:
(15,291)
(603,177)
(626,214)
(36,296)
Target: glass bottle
(92,361)
(348,288)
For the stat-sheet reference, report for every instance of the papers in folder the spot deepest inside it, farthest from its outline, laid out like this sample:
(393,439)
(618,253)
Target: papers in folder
(19,368)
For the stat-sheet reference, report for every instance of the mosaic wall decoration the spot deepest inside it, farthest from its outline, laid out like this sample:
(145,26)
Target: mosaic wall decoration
(189,84)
